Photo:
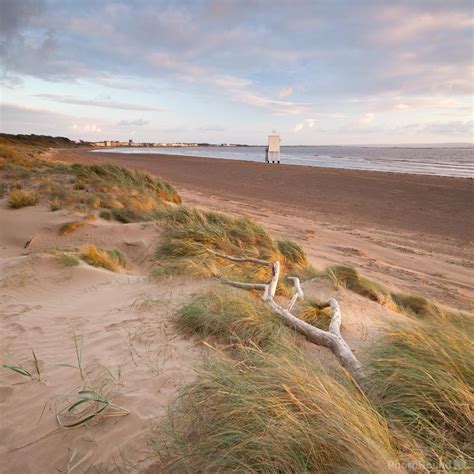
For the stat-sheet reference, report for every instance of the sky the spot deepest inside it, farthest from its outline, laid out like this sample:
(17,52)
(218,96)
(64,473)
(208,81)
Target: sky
(231,71)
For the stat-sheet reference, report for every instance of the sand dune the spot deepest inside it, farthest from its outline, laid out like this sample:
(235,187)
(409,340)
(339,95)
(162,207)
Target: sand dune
(125,321)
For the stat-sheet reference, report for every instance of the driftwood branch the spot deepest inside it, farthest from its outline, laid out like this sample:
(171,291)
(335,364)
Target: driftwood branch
(298,292)
(331,339)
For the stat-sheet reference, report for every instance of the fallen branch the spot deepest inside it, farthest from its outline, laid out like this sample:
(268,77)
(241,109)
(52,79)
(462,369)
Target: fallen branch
(331,339)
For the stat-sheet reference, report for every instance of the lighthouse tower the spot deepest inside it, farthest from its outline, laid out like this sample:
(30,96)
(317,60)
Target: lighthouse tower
(274,141)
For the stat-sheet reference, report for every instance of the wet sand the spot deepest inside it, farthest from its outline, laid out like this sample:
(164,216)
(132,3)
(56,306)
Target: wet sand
(430,205)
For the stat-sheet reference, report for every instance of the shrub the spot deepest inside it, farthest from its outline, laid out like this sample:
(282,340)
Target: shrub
(18,198)
(112,260)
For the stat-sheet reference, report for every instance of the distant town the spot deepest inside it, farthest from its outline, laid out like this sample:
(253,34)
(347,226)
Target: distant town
(131,143)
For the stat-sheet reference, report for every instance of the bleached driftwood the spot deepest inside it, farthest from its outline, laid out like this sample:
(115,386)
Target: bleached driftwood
(331,338)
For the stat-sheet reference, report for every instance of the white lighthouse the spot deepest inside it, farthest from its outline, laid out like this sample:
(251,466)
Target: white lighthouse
(274,141)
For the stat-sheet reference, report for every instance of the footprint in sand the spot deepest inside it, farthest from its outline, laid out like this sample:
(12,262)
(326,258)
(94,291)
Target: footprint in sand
(16,328)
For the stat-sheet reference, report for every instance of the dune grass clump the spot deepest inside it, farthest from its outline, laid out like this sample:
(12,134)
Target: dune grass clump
(68,260)
(292,252)
(416,305)
(192,232)
(231,317)
(409,304)
(112,260)
(69,227)
(18,198)
(311,311)
(105,214)
(104,177)
(421,378)
(348,277)
(272,413)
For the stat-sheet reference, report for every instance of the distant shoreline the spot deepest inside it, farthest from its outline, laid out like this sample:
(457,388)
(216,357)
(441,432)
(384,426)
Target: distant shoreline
(447,162)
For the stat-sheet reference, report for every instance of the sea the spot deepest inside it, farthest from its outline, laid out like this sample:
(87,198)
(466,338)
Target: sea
(453,161)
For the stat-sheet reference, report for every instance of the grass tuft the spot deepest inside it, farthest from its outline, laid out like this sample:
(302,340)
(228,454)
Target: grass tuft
(70,227)
(292,252)
(18,198)
(190,232)
(105,214)
(421,379)
(112,260)
(415,305)
(68,260)
(310,311)
(230,317)
(272,413)
(348,277)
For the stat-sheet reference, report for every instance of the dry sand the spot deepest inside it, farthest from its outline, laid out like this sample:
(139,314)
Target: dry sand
(124,321)
(125,318)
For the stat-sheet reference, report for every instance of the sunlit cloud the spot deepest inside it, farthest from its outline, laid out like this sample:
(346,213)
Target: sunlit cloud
(298,127)
(367,118)
(87,127)
(285,92)
(106,103)
(133,123)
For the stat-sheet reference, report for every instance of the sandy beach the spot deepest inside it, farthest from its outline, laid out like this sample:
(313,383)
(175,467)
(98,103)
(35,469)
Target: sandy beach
(380,224)
(410,231)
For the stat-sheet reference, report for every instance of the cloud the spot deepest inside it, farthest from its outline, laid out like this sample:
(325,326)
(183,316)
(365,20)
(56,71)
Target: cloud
(17,14)
(86,127)
(106,103)
(308,123)
(285,92)
(400,57)
(25,119)
(399,24)
(452,128)
(367,118)
(133,123)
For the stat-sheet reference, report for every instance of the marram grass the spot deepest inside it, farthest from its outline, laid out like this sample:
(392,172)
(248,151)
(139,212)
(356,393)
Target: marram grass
(421,378)
(231,317)
(190,232)
(69,227)
(272,413)
(18,198)
(112,260)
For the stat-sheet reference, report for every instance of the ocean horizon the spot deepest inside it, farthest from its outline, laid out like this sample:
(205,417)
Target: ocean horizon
(434,160)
